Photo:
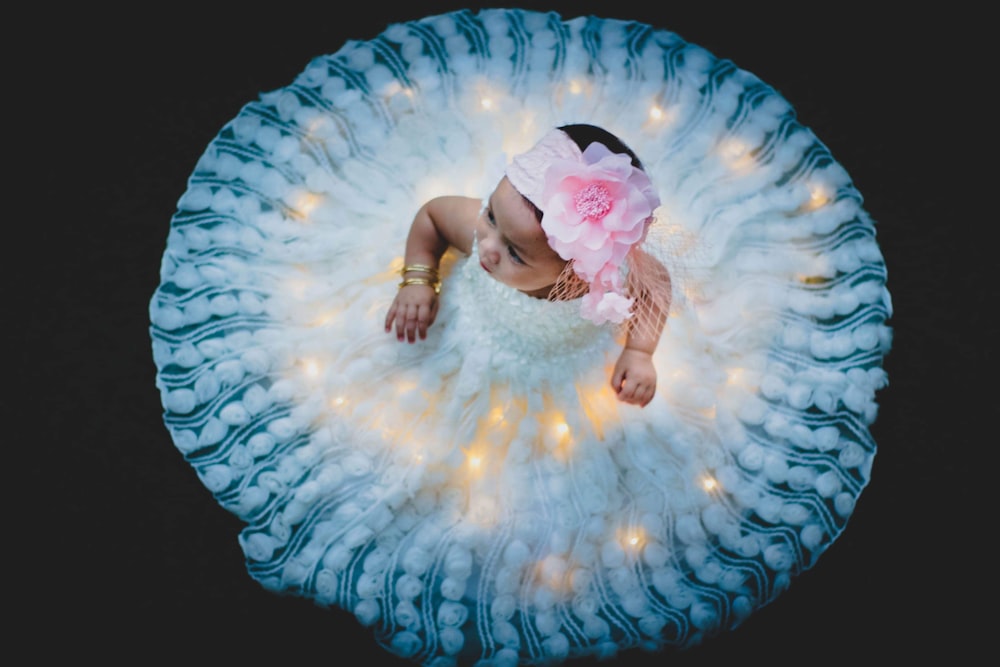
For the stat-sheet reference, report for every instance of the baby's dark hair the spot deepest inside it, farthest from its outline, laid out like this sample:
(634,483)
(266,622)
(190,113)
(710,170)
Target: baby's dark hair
(583,135)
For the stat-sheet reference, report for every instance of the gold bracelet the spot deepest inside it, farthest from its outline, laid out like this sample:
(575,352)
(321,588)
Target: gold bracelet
(436,284)
(419,267)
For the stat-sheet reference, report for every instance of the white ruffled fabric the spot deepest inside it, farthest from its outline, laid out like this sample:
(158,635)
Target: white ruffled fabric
(481,498)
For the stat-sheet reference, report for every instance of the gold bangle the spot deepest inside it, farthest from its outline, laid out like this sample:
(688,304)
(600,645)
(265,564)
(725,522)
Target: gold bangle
(436,284)
(419,267)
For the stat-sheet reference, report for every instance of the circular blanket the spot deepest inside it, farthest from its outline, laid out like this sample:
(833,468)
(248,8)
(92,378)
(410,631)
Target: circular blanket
(480,497)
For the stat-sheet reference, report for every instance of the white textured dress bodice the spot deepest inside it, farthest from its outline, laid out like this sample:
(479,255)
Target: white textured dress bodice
(520,327)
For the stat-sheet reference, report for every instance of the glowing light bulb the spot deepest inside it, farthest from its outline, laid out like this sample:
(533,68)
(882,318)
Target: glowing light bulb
(486,103)
(475,462)
(337,401)
(631,540)
(736,153)
(304,204)
(562,428)
(395,88)
(312,368)
(818,196)
(738,148)
(710,483)
(496,415)
(655,112)
(575,87)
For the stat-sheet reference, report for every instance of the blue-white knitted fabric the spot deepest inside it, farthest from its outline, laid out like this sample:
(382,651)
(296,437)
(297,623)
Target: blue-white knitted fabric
(480,497)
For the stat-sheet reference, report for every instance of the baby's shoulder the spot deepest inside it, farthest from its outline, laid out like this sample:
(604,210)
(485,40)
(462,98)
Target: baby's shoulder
(454,217)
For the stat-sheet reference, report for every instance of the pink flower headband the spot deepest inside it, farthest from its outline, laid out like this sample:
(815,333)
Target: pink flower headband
(595,206)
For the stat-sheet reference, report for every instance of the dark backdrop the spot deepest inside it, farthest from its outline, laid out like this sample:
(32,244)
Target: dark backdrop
(122,554)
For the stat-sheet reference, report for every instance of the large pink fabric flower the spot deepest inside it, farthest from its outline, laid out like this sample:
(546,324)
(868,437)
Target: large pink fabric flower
(594,211)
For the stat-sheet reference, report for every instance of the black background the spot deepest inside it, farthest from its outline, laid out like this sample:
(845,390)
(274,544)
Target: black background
(122,554)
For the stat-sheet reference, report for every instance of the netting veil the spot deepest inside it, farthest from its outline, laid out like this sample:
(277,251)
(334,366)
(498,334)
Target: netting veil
(481,498)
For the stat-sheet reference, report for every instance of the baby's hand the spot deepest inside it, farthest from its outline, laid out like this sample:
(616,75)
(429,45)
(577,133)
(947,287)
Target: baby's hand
(634,377)
(412,311)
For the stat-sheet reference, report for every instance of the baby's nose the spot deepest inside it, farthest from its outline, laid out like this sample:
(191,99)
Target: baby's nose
(488,246)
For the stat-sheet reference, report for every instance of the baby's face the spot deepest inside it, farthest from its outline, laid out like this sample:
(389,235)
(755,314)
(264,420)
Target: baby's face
(512,245)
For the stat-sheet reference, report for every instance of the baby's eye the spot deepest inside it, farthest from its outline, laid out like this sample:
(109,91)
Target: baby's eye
(514,256)
(489,217)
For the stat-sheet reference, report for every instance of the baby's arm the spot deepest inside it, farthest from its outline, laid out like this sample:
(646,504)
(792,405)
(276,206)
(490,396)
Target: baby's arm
(439,224)
(634,376)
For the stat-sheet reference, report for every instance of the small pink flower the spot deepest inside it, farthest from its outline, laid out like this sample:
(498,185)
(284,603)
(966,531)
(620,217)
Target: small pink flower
(594,213)
(607,307)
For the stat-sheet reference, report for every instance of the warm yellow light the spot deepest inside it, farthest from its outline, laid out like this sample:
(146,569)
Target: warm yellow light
(337,401)
(311,368)
(474,460)
(557,436)
(733,148)
(736,153)
(304,204)
(632,540)
(818,196)
(710,483)
(496,415)
(575,87)
(395,88)
(403,386)
(322,319)
(486,103)
(659,117)
(554,573)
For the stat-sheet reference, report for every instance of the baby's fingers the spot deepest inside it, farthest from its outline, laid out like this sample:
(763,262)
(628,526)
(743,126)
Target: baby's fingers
(390,317)
(411,315)
(425,315)
(636,392)
(406,325)
(413,323)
